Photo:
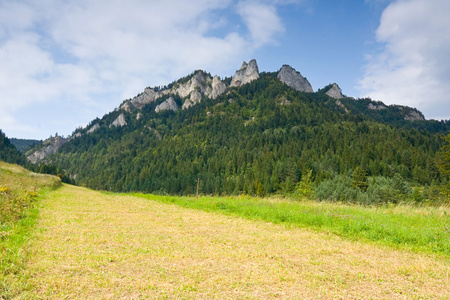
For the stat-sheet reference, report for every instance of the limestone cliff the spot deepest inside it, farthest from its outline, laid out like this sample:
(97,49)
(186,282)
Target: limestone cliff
(410,114)
(120,121)
(294,79)
(169,104)
(218,87)
(201,84)
(335,92)
(93,128)
(49,146)
(247,73)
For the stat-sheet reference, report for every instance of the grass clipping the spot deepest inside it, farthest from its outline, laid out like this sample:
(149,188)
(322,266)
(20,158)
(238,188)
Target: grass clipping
(102,246)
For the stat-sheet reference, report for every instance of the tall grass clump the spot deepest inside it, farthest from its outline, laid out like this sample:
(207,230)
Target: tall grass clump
(19,192)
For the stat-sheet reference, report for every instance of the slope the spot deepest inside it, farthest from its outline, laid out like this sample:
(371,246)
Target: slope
(258,139)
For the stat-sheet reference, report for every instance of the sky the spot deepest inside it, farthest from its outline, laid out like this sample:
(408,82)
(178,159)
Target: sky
(64,63)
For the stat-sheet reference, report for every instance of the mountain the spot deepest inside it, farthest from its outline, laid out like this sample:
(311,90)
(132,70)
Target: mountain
(23,145)
(255,133)
(8,152)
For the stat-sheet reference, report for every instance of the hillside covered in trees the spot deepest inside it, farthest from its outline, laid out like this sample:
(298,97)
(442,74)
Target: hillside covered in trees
(8,152)
(260,138)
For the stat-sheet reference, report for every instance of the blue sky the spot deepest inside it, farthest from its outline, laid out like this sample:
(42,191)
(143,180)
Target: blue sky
(64,63)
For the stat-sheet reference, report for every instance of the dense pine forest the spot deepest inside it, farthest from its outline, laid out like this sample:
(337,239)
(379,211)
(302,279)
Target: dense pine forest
(9,153)
(262,138)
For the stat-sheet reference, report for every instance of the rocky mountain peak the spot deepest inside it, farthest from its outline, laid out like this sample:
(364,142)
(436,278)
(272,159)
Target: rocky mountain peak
(247,73)
(335,92)
(294,79)
(199,82)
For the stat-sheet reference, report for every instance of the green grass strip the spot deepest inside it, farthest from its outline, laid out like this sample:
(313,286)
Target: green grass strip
(421,229)
(15,242)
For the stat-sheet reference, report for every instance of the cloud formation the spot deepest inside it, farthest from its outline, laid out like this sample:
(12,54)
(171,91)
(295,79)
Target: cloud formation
(93,53)
(412,68)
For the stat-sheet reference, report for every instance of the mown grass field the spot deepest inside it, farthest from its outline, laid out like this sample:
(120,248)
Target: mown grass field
(421,229)
(92,245)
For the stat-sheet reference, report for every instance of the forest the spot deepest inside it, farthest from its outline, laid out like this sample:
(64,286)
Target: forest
(260,139)
(8,152)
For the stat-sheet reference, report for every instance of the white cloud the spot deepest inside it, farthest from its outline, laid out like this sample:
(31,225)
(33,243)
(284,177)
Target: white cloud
(94,54)
(261,20)
(413,67)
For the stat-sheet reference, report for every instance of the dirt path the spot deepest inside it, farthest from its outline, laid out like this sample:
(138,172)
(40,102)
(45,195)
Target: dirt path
(98,246)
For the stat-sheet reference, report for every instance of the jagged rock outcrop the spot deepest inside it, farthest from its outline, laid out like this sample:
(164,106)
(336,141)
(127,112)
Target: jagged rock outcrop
(411,114)
(294,79)
(335,92)
(169,104)
(376,106)
(93,128)
(50,146)
(200,82)
(218,87)
(247,73)
(195,98)
(414,116)
(149,95)
(120,121)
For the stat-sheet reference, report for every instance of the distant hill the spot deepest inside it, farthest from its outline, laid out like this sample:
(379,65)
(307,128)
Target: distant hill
(23,145)
(8,152)
(255,133)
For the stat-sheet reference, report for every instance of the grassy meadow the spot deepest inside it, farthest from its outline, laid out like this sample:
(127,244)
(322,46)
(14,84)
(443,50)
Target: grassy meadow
(84,244)
(421,229)
(19,194)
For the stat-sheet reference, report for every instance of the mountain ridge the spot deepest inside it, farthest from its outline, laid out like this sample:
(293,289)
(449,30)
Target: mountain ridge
(261,137)
(190,91)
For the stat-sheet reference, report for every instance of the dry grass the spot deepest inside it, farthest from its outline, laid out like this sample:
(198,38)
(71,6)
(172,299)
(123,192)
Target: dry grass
(98,246)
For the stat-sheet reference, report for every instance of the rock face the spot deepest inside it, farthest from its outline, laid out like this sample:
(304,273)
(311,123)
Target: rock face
(247,73)
(93,128)
(411,114)
(149,95)
(376,106)
(195,98)
(414,116)
(169,104)
(218,87)
(51,145)
(120,121)
(201,84)
(294,79)
(335,92)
